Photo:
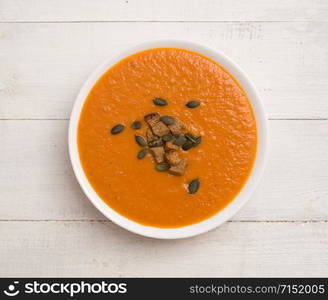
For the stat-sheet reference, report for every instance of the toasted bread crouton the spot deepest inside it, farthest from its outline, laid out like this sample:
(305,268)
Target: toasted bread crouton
(157,127)
(179,169)
(158,154)
(152,118)
(150,136)
(170,146)
(177,127)
(173,157)
(160,129)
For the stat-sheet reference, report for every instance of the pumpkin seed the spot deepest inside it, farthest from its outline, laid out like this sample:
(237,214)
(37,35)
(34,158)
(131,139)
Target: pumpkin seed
(142,153)
(156,143)
(180,140)
(167,120)
(187,145)
(117,129)
(193,186)
(162,167)
(192,104)
(140,140)
(159,102)
(190,137)
(167,137)
(198,141)
(136,125)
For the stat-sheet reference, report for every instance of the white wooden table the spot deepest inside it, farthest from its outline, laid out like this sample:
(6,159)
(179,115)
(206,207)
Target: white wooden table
(48,48)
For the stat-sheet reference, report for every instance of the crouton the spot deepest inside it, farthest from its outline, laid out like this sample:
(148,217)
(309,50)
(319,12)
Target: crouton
(158,154)
(152,118)
(173,157)
(157,127)
(160,129)
(177,127)
(179,169)
(170,146)
(150,136)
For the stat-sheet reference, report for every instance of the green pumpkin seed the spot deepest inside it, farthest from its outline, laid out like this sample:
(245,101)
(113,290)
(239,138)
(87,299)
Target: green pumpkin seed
(162,167)
(117,129)
(167,137)
(167,120)
(159,102)
(187,145)
(156,143)
(180,140)
(140,140)
(198,141)
(193,186)
(136,125)
(142,153)
(192,104)
(191,138)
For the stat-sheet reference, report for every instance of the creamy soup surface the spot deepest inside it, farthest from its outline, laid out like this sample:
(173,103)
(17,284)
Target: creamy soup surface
(225,121)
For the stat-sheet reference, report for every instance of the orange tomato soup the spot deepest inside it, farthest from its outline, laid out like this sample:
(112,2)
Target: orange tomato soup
(225,120)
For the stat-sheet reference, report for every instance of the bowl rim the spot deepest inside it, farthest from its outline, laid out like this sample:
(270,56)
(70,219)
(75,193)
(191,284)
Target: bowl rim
(235,205)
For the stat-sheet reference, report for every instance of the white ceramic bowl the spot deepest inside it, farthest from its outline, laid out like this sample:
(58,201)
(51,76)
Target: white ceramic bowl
(228,211)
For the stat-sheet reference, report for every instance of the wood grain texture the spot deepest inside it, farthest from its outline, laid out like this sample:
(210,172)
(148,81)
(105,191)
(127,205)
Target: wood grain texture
(104,249)
(161,10)
(43,66)
(49,228)
(37,182)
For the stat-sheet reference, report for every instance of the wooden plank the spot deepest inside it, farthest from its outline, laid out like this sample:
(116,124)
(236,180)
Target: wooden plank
(44,65)
(37,182)
(162,10)
(98,249)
